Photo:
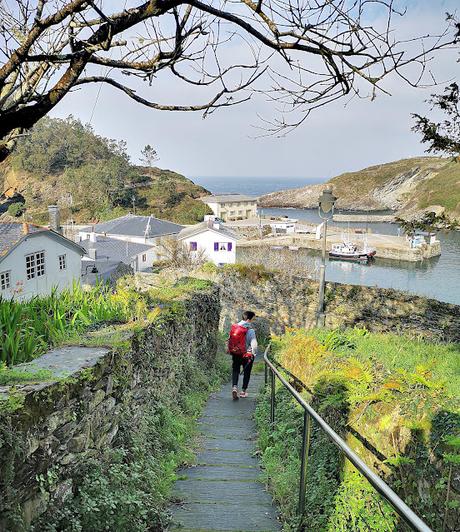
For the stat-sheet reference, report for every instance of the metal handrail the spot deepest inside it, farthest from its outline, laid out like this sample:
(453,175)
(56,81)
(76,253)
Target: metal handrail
(310,414)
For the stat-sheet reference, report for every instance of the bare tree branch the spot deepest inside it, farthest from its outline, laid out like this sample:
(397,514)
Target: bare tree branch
(300,54)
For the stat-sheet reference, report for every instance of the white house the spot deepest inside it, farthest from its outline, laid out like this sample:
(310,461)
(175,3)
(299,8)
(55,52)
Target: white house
(103,250)
(230,207)
(34,260)
(133,228)
(282,227)
(216,242)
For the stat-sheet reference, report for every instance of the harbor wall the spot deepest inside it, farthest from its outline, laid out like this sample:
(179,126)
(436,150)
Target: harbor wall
(387,246)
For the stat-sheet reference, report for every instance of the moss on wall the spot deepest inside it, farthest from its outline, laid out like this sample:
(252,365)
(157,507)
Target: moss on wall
(66,441)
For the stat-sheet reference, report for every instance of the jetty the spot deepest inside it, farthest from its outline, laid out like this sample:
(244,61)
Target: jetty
(387,246)
(364,218)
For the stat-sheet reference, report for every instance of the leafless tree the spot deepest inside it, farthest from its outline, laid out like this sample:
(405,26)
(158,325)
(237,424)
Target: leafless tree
(297,262)
(301,54)
(175,254)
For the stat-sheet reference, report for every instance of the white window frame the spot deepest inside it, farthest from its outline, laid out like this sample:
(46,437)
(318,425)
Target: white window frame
(62,262)
(5,280)
(35,264)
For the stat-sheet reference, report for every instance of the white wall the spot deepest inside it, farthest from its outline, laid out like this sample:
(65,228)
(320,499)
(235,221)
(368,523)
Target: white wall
(15,263)
(205,241)
(141,265)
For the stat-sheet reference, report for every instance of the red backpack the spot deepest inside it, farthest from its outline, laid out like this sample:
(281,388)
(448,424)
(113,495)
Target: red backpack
(237,340)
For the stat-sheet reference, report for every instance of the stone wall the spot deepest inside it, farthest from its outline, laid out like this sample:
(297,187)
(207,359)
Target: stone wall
(286,301)
(50,429)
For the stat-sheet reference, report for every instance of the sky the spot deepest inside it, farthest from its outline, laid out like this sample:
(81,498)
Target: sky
(344,136)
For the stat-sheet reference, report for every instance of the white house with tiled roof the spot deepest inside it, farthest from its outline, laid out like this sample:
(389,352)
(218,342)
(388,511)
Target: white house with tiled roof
(133,228)
(213,239)
(34,260)
(230,207)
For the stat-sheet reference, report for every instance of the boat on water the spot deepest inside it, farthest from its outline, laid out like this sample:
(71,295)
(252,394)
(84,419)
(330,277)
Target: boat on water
(351,252)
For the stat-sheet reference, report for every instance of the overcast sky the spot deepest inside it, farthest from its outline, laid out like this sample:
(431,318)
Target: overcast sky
(333,140)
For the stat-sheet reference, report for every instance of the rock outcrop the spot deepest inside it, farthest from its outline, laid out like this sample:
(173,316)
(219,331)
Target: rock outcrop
(408,186)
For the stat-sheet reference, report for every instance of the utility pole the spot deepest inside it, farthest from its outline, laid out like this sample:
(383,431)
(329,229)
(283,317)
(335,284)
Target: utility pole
(134,204)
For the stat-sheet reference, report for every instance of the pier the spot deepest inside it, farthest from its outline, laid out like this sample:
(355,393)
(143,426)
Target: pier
(364,218)
(387,246)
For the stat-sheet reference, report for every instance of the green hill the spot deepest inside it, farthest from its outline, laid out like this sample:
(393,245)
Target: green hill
(91,177)
(405,187)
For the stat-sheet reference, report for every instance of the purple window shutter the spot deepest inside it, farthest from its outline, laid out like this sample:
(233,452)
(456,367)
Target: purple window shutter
(193,246)
(229,247)
(216,246)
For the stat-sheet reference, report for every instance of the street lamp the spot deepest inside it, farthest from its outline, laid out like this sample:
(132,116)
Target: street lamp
(326,212)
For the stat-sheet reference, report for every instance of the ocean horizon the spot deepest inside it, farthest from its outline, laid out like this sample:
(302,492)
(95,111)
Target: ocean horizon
(253,186)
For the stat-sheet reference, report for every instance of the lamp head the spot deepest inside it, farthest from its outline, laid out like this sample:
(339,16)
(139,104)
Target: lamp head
(326,204)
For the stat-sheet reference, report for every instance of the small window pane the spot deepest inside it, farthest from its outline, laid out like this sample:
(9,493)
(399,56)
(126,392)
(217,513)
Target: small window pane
(62,262)
(30,266)
(5,281)
(40,261)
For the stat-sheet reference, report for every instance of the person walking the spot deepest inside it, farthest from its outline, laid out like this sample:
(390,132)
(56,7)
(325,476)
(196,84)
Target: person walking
(242,345)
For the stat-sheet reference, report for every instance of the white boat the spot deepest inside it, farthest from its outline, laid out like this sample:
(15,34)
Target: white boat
(351,252)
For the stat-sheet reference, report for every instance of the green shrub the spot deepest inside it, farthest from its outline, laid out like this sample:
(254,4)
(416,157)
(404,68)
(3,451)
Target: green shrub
(402,397)
(16,209)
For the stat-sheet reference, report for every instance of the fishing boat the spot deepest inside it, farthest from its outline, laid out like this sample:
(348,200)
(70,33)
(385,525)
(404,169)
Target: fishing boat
(351,252)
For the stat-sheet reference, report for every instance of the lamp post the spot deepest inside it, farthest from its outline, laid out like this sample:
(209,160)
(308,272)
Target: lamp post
(326,212)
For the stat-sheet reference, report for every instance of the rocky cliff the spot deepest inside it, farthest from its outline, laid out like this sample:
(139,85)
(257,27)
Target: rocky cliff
(406,187)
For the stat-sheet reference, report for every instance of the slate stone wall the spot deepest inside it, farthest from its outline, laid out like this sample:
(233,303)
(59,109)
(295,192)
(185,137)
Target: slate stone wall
(48,430)
(283,301)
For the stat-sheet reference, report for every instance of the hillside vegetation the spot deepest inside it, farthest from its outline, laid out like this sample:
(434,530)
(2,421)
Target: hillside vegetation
(91,177)
(406,187)
(395,400)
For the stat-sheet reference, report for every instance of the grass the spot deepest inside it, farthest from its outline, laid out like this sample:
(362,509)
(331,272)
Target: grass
(395,400)
(442,189)
(28,329)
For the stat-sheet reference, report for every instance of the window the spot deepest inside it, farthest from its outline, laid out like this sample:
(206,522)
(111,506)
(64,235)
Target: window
(193,246)
(35,265)
(144,258)
(4,280)
(62,262)
(223,246)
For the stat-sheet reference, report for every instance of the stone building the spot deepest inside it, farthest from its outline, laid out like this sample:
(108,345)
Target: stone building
(230,207)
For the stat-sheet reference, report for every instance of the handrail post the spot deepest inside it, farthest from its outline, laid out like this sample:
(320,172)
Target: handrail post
(306,434)
(272,398)
(265,373)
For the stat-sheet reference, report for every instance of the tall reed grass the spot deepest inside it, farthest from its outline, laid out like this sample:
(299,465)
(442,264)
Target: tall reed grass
(27,329)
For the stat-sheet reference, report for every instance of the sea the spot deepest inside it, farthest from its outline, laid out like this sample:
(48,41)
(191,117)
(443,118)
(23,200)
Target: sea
(437,278)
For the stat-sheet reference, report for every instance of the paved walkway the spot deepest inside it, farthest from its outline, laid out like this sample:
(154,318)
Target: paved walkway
(222,492)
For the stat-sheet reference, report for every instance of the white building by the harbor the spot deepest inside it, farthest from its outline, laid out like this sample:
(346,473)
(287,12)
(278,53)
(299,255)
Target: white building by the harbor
(231,207)
(283,227)
(35,260)
(210,238)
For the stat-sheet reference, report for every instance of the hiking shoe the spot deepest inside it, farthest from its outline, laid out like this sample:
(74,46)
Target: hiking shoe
(235,393)
(244,394)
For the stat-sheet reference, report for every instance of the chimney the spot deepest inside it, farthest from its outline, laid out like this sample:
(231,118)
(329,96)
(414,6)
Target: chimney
(55,219)
(25,228)
(93,236)
(92,253)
